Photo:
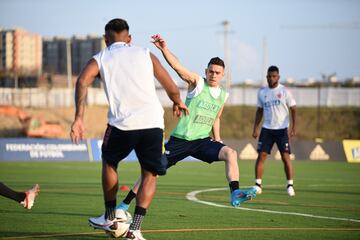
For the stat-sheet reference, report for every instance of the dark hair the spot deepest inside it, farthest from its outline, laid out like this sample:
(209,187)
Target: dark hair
(116,25)
(216,61)
(273,69)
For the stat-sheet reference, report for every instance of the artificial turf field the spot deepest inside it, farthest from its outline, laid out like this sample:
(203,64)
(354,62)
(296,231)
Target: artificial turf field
(326,205)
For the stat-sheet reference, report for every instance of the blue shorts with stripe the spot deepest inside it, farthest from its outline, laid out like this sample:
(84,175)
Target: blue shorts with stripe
(147,143)
(270,136)
(206,150)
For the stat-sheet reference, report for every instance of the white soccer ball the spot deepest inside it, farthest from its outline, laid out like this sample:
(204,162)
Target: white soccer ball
(123,221)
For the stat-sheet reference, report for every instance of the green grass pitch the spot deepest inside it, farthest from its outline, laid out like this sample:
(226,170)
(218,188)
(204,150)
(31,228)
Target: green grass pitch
(326,205)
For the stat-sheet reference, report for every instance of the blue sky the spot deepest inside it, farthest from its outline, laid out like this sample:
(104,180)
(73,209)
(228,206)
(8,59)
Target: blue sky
(305,38)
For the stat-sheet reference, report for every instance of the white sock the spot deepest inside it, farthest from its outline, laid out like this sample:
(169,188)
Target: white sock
(290,182)
(258,181)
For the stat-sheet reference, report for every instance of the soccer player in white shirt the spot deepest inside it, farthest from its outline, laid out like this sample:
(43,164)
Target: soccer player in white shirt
(135,118)
(273,103)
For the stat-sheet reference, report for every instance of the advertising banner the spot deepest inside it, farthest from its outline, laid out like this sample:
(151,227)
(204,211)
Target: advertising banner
(38,149)
(352,150)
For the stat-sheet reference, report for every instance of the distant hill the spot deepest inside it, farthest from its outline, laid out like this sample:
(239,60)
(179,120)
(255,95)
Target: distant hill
(335,123)
(237,122)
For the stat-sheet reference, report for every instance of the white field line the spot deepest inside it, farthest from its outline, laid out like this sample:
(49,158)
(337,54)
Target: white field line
(192,197)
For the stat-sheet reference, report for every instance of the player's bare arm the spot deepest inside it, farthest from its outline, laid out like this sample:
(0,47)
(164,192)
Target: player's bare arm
(293,131)
(85,79)
(169,85)
(258,117)
(216,126)
(186,75)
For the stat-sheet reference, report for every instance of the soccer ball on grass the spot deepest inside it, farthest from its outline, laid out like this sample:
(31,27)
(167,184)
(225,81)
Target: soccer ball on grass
(123,221)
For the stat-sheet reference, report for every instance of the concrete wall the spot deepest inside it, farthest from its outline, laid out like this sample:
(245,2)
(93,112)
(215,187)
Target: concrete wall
(57,97)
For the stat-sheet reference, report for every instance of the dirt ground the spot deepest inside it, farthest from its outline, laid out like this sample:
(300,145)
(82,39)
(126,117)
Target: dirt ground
(236,122)
(95,121)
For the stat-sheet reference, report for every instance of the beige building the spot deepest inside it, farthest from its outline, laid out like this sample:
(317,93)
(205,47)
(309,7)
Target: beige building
(20,52)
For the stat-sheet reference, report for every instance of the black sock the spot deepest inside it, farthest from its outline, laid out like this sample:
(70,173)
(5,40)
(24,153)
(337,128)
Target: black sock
(139,215)
(234,185)
(129,197)
(9,193)
(110,209)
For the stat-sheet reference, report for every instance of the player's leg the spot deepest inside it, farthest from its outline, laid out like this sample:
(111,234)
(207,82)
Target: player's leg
(114,149)
(237,195)
(110,187)
(259,171)
(283,143)
(264,147)
(11,194)
(144,197)
(26,199)
(124,205)
(288,168)
(289,172)
(229,156)
(153,163)
(176,150)
(210,151)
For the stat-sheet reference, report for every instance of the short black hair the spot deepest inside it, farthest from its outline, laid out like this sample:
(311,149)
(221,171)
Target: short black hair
(116,25)
(273,69)
(216,61)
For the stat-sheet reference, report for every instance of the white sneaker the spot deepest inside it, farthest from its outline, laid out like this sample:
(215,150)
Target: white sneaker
(290,191)
(134,235)
(30,196)
(120,216)
(97,221)
(103,224)
(258,189)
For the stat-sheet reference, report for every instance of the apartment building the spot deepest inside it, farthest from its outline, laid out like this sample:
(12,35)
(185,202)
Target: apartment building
(55,55)
(82,49)
(20,52)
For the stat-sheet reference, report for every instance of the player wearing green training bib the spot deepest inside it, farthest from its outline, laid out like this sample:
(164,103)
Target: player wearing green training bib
(191,137)
(204,109)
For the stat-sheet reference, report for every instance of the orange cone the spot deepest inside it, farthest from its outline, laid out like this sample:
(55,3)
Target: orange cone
(124,188)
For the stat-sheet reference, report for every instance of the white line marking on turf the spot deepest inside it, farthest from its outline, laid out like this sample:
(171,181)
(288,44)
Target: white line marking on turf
(192,197)
(191,230)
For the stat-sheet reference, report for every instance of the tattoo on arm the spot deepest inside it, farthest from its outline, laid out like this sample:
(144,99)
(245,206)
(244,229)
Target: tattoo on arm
(80,99)
(85,79)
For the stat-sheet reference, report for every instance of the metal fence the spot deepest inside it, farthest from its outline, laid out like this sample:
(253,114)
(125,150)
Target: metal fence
(306,97)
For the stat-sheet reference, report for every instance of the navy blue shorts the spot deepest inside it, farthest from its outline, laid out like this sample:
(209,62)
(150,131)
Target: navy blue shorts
(147,143)
(270,136)
(205,150)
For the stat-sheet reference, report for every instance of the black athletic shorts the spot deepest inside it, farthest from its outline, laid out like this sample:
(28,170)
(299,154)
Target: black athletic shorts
(270,136)
(205,150)
(147,143)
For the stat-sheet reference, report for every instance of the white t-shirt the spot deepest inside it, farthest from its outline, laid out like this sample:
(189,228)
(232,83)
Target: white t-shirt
(214,91)
(128,76)
(275,103)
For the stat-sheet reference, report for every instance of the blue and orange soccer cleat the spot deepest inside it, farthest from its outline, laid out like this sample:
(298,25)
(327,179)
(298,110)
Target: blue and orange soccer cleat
(239,196)
(123,206)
